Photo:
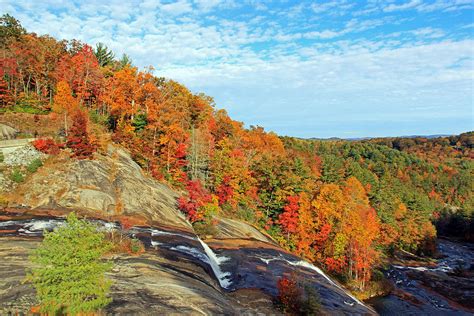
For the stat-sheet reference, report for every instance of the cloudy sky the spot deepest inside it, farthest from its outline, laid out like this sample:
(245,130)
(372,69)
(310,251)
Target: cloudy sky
(300,68)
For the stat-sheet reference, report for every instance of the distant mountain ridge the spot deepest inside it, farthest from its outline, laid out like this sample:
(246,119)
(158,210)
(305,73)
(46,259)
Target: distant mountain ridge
(382,137)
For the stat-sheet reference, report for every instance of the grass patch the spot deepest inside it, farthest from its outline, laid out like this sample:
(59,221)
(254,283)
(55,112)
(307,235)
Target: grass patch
(34,165)
(17,176)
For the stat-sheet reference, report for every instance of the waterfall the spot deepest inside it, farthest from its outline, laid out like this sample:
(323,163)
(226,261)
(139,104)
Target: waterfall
(208,257)
(310,266)
(214,262)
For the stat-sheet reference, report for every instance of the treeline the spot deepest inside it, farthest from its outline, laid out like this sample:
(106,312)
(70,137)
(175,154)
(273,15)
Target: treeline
(341,204)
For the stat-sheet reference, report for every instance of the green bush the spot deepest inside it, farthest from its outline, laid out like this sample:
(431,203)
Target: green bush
(205,228)
(17,176)
(136,245)
(34,165)
(2,157)
(68,273)
(97,118)
(28,109)
(312,302)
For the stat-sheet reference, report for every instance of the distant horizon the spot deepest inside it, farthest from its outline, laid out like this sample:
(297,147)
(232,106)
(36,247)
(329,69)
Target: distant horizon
(390,136)
(306,70)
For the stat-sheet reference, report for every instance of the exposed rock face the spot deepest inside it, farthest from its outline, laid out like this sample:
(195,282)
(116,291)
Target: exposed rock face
(7,132)
(229,229)
(110,185)
(22,156)
(153,284)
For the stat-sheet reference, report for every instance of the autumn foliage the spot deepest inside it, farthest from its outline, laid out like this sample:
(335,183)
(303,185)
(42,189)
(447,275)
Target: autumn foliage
(339,204)
(289,294)
(199,204)
(78,140)
(47,146)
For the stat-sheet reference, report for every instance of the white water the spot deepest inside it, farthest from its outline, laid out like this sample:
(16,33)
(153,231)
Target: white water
(39,225)
(7,223)
(156,232)
(310,266)
(208,257)
(214,262)
(193,252)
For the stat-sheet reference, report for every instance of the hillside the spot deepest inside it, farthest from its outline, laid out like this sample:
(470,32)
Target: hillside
(123,145)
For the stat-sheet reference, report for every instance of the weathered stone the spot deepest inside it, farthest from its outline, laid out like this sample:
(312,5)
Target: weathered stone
(112,184)
(149,284)
(7,132)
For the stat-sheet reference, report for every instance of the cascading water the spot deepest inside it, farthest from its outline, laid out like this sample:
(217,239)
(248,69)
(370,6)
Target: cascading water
(208,257)
(305,264)
(214,262)
(36,227)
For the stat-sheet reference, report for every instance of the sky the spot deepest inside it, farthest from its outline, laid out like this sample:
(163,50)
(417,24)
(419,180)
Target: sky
(299,68)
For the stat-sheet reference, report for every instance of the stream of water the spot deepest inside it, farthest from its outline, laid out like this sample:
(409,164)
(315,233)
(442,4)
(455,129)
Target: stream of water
(233,268)
(422,300)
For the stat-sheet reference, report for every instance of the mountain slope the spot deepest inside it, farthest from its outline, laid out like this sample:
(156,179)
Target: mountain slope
(178,273)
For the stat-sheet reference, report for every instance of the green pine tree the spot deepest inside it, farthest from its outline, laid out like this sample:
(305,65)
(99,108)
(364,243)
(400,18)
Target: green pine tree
(68,273)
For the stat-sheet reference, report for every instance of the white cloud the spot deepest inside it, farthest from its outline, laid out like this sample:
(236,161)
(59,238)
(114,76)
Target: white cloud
(258,68)
(207,5)
(405,6)
(176,8)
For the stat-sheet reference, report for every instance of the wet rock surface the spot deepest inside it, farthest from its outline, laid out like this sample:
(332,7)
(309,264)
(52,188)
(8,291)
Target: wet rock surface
(180,274)
(149,284)
(437,289)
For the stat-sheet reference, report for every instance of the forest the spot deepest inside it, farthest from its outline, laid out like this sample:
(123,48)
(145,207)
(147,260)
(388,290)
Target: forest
(344,205)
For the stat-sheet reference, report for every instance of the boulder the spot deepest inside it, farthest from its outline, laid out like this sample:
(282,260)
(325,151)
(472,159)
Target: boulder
(7,132)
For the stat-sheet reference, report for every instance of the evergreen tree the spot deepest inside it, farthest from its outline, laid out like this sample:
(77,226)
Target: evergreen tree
(104,55)
(69,275)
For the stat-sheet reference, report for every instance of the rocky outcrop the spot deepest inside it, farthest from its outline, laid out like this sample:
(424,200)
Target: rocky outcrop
(233,229)
(7,132)
(22,156)
(152,283)
(112,184)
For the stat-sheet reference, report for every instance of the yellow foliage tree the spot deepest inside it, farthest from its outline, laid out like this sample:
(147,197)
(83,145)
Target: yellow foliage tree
(64,102)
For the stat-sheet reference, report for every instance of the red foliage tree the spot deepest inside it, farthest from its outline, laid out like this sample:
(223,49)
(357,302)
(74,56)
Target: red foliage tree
(78,139)
(5,95)
(192,205)
(225,191)
(289,218)
(47,146)
(289,294)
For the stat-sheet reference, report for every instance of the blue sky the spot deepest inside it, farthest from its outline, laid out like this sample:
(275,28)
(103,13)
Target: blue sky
(300,68)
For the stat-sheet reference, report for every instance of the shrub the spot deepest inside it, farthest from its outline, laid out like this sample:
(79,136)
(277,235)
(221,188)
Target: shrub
(205,228)
(124,244)
(17,176)
(29,103)
(69,275)
(199,205)
(136,246)
(296,299)
(289,294)
(78,139)
(3,201)
(97,118)
(34,165)
(47,146)
(2,157)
